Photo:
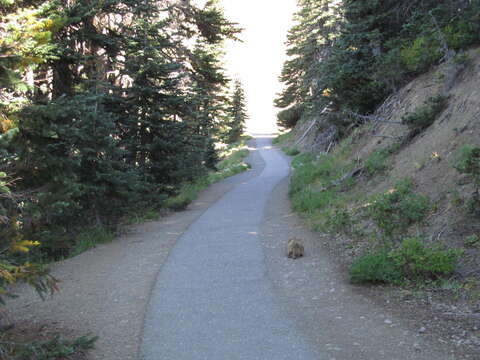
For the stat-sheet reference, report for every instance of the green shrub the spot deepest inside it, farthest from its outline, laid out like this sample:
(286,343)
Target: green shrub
(339,220)
(394,211)
(291,151)
(425,115)
(468,162)
(417,261)
(472,241)
(56,348)
(462,34)
(288,118)
(411,261)
(422,53)
(375,268)
(376,163)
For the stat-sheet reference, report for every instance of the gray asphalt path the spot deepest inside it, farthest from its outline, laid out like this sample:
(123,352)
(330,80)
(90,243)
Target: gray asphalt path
(213,299)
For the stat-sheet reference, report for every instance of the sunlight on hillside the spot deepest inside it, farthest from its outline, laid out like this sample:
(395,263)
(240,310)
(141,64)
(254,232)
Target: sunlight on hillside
(257,61)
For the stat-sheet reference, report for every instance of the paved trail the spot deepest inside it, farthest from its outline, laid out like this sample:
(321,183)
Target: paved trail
(213,283)
(227,291)
(213,299)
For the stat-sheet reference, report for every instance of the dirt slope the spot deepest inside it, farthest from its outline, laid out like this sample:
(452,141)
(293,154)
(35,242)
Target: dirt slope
(453,311)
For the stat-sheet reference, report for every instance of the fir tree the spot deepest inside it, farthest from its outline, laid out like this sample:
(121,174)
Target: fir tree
(237,113)
(123,102)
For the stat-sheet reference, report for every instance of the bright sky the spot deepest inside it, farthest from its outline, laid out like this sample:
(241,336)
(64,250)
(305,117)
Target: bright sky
(258,61)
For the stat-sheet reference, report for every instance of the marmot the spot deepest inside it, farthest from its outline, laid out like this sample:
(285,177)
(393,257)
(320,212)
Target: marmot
(295,248)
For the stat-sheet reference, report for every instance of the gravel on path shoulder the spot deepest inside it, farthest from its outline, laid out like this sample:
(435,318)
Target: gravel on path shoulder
(105,291)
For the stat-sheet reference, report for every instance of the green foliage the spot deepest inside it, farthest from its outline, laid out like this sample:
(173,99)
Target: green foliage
(394,211)
(53,349)
(141,216)
(419,262)
(375,268)
(307,171)
(339,220)
(411,261)
(472,241)
(308,201)
(463,33)
(351,55)
(237,113)
(90,238)
(116,115)
(422,53)
(231,165)
(425,115)
(314,194)
(186,194)
(288,118)
(282,138)
(291,151)
(468,162)
(15,267)
(376,163)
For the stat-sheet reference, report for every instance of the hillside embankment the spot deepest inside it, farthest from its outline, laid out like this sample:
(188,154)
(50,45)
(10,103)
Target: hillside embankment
(404,182)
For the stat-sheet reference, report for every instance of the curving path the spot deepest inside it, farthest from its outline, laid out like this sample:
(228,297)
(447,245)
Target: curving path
(213,282)
(213,299)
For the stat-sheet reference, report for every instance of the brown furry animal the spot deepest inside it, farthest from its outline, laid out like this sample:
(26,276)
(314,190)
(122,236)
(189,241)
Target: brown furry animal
(295,248)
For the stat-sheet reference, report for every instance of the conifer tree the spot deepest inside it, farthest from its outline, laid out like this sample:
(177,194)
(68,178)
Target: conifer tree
(308,43)
(123,99)
(237,113)
(352,54)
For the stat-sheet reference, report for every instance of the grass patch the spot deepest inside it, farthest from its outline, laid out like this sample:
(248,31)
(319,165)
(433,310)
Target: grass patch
(89,239)
(314,194)
(283,138)
(231,164)
(143,216)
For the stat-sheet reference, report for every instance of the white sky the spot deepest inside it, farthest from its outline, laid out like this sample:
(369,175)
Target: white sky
(258,61)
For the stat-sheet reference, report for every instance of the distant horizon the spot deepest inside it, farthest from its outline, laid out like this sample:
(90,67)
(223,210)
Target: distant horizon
(258,61)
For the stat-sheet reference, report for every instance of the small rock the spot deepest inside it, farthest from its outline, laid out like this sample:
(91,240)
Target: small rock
(422,329)
(388,321)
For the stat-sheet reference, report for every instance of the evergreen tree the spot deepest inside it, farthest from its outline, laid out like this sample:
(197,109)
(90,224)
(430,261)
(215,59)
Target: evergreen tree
(352,54)
(120,104)
(237,113)
(309,43)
